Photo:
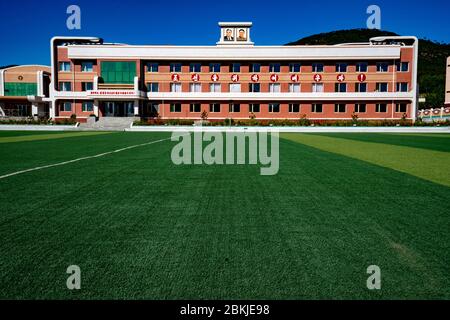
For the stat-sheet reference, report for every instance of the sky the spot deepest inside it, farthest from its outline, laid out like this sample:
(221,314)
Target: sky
(27,26)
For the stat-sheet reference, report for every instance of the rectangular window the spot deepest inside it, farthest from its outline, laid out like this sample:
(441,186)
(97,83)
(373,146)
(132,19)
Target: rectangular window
(294,67)
(66,106)
(215,87)
(87,106)
(195,87)
(235,107)
(362,67)
(402,66)
(254,107)
(87,66)
(382,67)
(316,108)
(317,67)
(152,67)
(274,107)
(294,108)
(340,87)
(175,107)
(317,87)
(360,108)
(175,87)
(195,67)
(214,67)
(256,67)
(360,87)
(341,67)
(214,107)
(401,107)
(255,87)
(64,66)
(274,67)
(235,87)
(119,72)
(87,86)
(340,108)
(153,87)
(195,107)
(274,87)
(381,107)
(294,87)
(382,87)
(154,109)
(235,67)
(402,86)
(175,67)
(65,86)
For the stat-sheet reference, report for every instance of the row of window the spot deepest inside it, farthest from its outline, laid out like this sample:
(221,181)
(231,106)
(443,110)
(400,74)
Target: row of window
(86,66)
(253,87)
(342,67)
(293,108)
(86,106)
(276,67)
(276,87)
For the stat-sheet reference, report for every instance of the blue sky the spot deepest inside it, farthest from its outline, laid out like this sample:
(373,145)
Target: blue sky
(26,26)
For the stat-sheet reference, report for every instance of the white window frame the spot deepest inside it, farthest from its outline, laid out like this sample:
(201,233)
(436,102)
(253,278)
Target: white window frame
(195,87)
(293,86)
(65,63)
(316,85)
(235,87)
(215,87)
(175,87)
(274,87)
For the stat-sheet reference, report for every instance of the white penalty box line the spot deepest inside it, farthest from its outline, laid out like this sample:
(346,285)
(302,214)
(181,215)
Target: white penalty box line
(82,158)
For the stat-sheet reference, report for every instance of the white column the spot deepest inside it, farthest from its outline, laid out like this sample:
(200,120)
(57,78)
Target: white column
(96,107)
(2,82)
(34,109)
(95,85)
(40,83)
(52,109)
(136,107)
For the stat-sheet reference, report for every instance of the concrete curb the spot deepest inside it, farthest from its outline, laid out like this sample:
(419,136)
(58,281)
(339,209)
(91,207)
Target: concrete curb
(293,129)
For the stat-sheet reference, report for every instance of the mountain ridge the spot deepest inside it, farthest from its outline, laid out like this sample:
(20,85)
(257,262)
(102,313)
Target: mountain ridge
(432,58)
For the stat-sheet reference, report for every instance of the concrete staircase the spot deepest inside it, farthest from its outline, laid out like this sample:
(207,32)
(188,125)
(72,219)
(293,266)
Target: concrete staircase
(108,124)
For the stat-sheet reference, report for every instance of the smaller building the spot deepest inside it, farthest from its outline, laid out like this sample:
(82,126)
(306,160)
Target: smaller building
(24,91)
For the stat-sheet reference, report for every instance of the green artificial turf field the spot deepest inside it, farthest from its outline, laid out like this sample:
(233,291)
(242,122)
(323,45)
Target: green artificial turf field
(141,227)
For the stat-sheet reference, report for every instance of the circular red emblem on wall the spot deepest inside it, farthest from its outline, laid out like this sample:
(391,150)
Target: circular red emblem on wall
(295,78)
(195,77)
(362,77)
(215,77)
(317,77)
(274,77)
(175,77)
(235,77)
(255,77)
(340,77)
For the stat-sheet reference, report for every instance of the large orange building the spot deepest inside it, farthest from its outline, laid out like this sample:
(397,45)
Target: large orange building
(235,79)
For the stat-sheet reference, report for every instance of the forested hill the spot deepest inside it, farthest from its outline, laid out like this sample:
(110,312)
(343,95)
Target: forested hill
(432,58)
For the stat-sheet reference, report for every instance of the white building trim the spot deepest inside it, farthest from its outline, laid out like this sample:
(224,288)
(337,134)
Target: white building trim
(371,52)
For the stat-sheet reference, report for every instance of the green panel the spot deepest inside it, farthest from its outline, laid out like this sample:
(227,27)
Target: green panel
(122,72)
(19,89)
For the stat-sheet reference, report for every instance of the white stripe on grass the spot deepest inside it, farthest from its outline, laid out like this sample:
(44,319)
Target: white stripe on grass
(81,159)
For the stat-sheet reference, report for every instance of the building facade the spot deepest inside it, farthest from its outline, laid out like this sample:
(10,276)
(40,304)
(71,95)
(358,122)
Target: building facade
(235,79)
(447,84)
(24,91)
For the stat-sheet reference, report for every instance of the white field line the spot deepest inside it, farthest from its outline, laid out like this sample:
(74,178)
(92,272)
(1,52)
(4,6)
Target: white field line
(81,159)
